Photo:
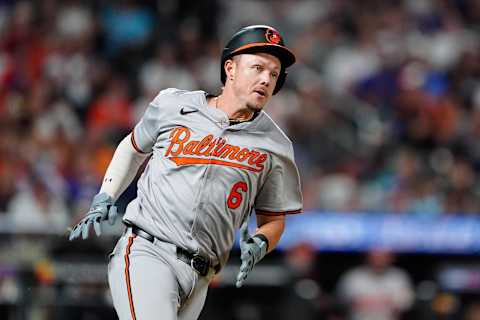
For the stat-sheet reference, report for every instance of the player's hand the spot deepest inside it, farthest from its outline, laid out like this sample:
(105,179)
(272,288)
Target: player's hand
(102,209)
(253,249)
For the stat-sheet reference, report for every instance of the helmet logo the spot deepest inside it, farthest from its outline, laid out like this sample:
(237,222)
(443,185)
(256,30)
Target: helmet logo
(273,36)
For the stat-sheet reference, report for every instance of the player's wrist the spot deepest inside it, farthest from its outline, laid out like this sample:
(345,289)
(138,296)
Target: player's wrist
(101,200)
(260,249)
(263,238)
(102,197)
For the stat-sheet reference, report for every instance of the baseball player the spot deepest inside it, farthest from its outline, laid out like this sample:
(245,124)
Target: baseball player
(213,160)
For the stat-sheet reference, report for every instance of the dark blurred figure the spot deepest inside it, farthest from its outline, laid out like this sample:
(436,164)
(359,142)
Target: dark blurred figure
(473,311)
(443,306)
(376,290)
(461,194)
(303,297)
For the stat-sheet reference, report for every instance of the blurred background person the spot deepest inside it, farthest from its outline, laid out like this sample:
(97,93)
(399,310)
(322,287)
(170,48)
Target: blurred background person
(38,209)
(376,290)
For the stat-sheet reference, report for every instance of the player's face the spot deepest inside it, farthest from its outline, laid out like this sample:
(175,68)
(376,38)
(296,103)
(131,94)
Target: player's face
(254,78)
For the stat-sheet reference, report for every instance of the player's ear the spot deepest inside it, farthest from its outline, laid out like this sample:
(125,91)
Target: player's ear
(230,68)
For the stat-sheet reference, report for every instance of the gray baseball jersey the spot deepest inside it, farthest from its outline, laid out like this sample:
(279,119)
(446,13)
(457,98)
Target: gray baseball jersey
(206,175)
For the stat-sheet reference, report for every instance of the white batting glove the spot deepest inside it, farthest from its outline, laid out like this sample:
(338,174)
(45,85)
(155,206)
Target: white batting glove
(253,249)
(102,209)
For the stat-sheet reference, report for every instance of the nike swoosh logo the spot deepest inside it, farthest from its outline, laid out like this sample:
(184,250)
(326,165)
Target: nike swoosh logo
(184,112)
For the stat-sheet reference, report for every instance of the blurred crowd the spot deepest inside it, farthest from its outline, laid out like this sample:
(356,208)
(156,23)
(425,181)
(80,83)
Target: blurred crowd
(383,105)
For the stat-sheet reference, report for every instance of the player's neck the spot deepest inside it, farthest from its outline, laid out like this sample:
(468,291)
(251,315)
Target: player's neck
(234,109)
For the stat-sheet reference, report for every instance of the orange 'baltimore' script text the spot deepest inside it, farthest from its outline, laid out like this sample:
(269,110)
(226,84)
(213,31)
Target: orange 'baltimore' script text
(215,149)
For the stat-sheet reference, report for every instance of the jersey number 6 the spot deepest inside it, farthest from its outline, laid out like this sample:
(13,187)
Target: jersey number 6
(235,198)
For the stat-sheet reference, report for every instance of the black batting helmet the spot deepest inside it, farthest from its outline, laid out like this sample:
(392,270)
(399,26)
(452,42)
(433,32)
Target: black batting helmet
(259,38)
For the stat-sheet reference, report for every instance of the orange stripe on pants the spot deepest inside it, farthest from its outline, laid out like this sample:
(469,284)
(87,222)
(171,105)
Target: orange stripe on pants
(127,276)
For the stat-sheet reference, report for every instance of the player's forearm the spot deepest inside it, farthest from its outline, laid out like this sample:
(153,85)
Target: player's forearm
(122,168)
(272,228)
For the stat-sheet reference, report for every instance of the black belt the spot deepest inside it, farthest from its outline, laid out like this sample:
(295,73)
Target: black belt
(198,262)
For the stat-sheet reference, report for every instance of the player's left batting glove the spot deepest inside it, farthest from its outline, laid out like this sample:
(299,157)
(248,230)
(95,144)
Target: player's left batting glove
(102,209)
(253,249)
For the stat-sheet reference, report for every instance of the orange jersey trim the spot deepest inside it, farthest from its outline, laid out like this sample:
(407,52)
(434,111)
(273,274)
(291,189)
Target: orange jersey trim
(279,213)
(127,276)
(134,144)
(182,161)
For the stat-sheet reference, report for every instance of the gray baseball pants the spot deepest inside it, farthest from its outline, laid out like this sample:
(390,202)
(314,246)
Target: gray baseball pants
(148,282)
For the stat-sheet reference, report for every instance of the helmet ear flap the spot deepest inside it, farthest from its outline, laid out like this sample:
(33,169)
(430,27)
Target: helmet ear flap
(280,81)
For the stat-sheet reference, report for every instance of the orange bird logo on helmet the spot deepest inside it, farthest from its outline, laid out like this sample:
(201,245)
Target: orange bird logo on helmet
(273,36)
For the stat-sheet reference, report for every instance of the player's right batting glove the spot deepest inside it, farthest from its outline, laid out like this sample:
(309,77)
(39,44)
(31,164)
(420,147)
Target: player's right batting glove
(102,209)
(253,249)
